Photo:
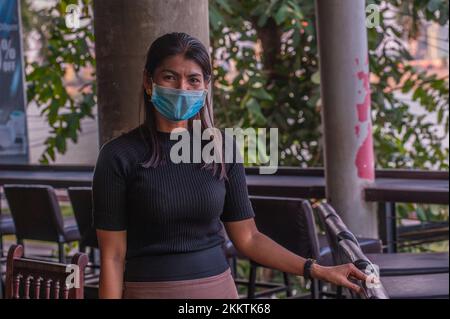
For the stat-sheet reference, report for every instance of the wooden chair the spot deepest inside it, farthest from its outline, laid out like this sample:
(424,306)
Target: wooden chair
(34,279)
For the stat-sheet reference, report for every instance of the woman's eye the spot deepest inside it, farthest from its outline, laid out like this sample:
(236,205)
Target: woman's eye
(195,81)
(169,77)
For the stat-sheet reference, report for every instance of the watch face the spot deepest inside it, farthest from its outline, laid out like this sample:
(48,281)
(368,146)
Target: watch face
(307,268)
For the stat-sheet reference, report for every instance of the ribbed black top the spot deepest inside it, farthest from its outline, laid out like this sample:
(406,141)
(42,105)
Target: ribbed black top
(172,213)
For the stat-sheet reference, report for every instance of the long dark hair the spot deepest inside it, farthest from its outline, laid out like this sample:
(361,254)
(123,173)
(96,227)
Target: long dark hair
(168,45)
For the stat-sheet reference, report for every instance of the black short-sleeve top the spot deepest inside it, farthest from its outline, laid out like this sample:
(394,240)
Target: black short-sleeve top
(172,213)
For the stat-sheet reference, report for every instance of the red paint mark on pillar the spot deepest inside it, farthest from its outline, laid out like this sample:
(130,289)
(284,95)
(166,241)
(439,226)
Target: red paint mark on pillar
(363,109)
(363,130)
(365,77)
(364,158)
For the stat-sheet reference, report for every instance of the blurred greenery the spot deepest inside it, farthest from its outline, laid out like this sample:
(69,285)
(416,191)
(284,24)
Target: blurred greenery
(266,75)
(297,283)
(61,50)
(441,246)
(422,212)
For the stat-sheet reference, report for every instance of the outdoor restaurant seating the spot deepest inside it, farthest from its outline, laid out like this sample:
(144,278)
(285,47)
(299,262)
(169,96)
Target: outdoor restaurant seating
(287,220)
(429,286)
(35,279)
(290,222)
(297,212)
(391,264)
(81,201)
(284,221)
(37,216)
(401,284)
(6,228)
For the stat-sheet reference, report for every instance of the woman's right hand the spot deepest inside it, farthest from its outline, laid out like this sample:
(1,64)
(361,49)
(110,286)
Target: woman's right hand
(339,275)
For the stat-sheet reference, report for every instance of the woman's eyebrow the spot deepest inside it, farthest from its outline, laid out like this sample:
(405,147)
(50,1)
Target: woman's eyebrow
(178,75)
(170,71)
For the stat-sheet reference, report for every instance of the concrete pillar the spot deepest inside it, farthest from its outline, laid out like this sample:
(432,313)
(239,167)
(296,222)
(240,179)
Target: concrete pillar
(344,69)
(124,31)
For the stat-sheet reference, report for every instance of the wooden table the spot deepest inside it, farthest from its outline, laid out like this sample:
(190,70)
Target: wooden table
(390,187)
(408,191)
(57,179)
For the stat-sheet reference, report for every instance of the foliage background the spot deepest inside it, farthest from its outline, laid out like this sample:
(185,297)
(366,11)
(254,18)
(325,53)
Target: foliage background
(277,84)
(266,75)
(61,50)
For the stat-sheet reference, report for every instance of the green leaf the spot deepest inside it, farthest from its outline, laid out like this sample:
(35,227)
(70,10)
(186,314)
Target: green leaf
(315,78)
(298,13)
(408,134)
(421,214)
(225,5)
(255,111)
(407,86)
(262,20)
(438,84)
(60,144)
(419,94)
(215,18)
(440,115)
(261,94)
(281,14)
(269,9)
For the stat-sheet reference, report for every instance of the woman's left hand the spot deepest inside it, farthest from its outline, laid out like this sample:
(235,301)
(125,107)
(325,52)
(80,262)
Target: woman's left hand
(339,275)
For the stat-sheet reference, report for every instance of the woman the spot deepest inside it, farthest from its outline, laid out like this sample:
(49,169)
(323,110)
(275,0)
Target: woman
(158,222)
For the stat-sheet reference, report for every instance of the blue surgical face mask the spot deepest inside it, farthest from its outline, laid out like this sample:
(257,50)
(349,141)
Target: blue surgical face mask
(177,105)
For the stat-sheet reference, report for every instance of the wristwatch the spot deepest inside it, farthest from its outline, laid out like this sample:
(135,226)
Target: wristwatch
(307,268)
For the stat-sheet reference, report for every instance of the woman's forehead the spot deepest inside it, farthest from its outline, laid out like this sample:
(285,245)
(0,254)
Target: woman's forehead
(180,65)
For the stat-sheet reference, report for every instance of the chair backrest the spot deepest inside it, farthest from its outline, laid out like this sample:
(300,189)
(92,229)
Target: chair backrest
(34,279)
(352,253)
(81,200)
(289,222)
(35,211)
(335,229)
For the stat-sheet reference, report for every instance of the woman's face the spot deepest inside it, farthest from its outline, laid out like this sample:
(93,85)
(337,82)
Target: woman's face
(177,72)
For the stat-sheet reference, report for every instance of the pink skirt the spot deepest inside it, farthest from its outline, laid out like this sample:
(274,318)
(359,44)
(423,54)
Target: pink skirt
(220,286)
